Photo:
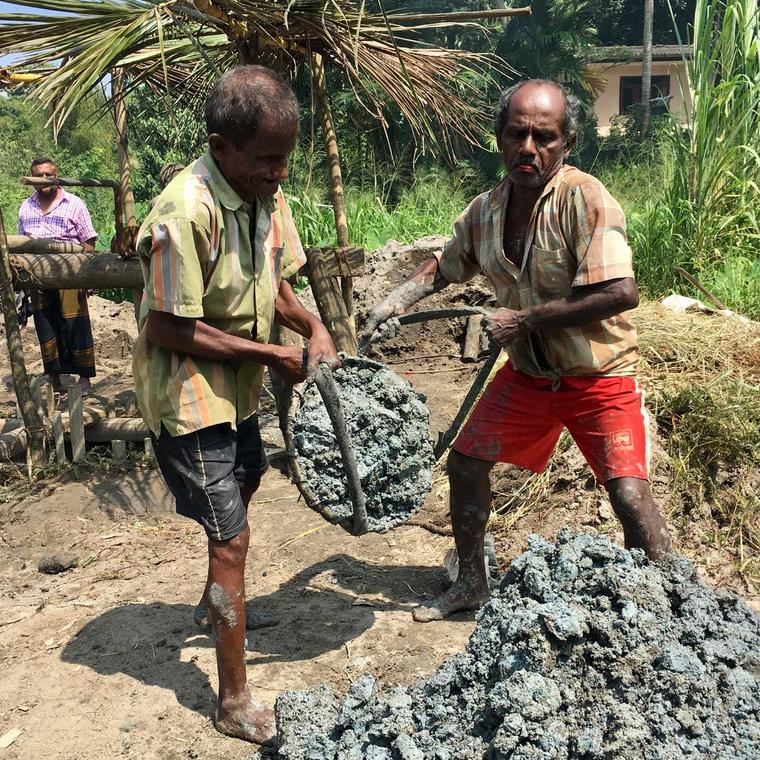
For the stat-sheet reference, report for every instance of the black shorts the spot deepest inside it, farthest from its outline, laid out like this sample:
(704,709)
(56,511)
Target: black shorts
(205,471)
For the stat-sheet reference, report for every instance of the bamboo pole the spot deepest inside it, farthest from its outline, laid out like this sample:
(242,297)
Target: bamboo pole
(125,175)
(24,244)
(58,437)
(117,429)
(336,178)
(331,307)
(70,182)
(32,420)
(79,271)
(76,423)
(122,146)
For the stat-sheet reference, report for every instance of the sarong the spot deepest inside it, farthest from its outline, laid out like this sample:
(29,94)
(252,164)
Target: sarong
(62,322)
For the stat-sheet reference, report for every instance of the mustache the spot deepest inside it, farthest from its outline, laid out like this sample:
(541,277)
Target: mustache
(525,162)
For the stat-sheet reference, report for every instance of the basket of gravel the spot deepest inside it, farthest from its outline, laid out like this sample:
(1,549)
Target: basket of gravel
(358,445)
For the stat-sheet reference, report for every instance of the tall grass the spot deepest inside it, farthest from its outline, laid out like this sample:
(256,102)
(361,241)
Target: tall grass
(706,220)
(428,207)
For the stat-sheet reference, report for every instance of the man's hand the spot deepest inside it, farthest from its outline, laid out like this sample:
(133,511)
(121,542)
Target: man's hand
(378,318)
(506,326)
(424,281)
(290,363)
(322,349)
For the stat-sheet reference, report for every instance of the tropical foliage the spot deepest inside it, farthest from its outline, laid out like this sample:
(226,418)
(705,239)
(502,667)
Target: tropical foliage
(707,218)
(179,48)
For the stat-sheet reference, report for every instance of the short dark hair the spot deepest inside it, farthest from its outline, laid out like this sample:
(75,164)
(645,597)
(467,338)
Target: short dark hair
(245,96)
(43,160)
(572,107)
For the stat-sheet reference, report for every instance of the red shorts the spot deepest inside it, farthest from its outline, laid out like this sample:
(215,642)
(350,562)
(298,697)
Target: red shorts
(519,419)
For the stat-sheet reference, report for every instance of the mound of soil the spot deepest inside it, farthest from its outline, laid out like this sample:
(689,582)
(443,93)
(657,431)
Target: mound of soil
(388,423)
(587,651)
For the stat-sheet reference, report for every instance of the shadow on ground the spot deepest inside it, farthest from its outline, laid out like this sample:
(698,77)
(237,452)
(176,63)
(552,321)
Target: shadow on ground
(318,613)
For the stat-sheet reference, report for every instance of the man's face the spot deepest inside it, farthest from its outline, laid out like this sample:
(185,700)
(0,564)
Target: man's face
(532,144)
(48,171)
(259,166)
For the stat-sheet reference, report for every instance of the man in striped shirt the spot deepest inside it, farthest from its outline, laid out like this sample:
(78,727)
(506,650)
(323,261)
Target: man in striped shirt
(61,317)
(216,250)
(552,241)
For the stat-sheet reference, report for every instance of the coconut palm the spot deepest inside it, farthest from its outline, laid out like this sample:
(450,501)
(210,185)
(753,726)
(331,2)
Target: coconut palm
(181,45)
(646,71)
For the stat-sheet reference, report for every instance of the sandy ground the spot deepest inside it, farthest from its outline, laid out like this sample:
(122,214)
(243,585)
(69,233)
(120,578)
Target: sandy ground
(104,659)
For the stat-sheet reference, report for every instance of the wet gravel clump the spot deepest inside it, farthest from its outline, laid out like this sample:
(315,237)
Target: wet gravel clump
(388,422)
(586,651)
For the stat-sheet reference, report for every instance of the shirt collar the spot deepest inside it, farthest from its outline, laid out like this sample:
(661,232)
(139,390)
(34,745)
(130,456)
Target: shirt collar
(60,198)
(227,196)
(500,194)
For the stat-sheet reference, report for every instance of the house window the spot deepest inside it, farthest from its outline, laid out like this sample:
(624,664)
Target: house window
(630,90)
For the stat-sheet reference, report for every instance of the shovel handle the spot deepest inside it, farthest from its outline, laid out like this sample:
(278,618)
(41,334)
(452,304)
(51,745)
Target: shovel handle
(327,388)
(447,438)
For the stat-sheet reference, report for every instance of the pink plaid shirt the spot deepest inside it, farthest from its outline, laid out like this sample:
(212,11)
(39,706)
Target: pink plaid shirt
(67,220)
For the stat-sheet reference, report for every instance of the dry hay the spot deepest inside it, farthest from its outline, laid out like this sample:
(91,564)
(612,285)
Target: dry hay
(695,345)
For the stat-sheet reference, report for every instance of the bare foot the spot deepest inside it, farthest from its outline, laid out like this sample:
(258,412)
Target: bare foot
(458,597)
(254,618)
(85,385)
(252,722)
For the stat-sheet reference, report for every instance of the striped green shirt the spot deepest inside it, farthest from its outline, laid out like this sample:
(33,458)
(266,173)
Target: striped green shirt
(197,256)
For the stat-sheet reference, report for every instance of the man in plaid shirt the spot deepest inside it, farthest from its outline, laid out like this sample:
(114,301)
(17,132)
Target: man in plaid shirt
(61,317)
(552,241)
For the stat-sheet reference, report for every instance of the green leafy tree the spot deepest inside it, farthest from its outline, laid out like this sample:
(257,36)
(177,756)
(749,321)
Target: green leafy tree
(621,22)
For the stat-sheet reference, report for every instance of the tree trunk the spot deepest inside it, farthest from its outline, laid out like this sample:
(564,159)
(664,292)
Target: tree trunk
(120,118)
(332,310)
(24,244)
(336,179)
(32,419)
(646,66)
(77,271)
(125,175)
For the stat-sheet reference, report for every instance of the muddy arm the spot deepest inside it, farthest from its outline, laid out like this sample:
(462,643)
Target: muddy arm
(424,281)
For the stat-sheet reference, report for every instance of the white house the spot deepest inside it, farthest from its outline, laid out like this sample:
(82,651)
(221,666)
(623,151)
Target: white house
(619,69)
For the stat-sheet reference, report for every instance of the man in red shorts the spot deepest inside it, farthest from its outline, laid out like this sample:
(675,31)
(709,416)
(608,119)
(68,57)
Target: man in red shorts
(552,241)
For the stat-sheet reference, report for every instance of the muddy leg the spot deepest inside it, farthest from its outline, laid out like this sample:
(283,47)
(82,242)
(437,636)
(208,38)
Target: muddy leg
(237,713)
(254,618)
(470,507)
(643,525)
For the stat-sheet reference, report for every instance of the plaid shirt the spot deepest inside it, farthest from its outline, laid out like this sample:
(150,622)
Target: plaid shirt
(67,220)
(205,254)
(576,237)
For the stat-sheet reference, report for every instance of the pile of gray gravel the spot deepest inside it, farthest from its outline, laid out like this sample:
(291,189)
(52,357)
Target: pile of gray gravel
(587,651)
(388,422)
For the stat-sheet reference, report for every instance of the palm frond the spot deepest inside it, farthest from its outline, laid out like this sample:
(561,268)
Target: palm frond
(166,44)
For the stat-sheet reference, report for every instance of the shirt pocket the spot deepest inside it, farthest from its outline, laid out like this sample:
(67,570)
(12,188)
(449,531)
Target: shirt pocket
(551,273)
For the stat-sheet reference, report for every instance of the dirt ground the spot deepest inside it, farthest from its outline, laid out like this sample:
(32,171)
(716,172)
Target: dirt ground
(104,660)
